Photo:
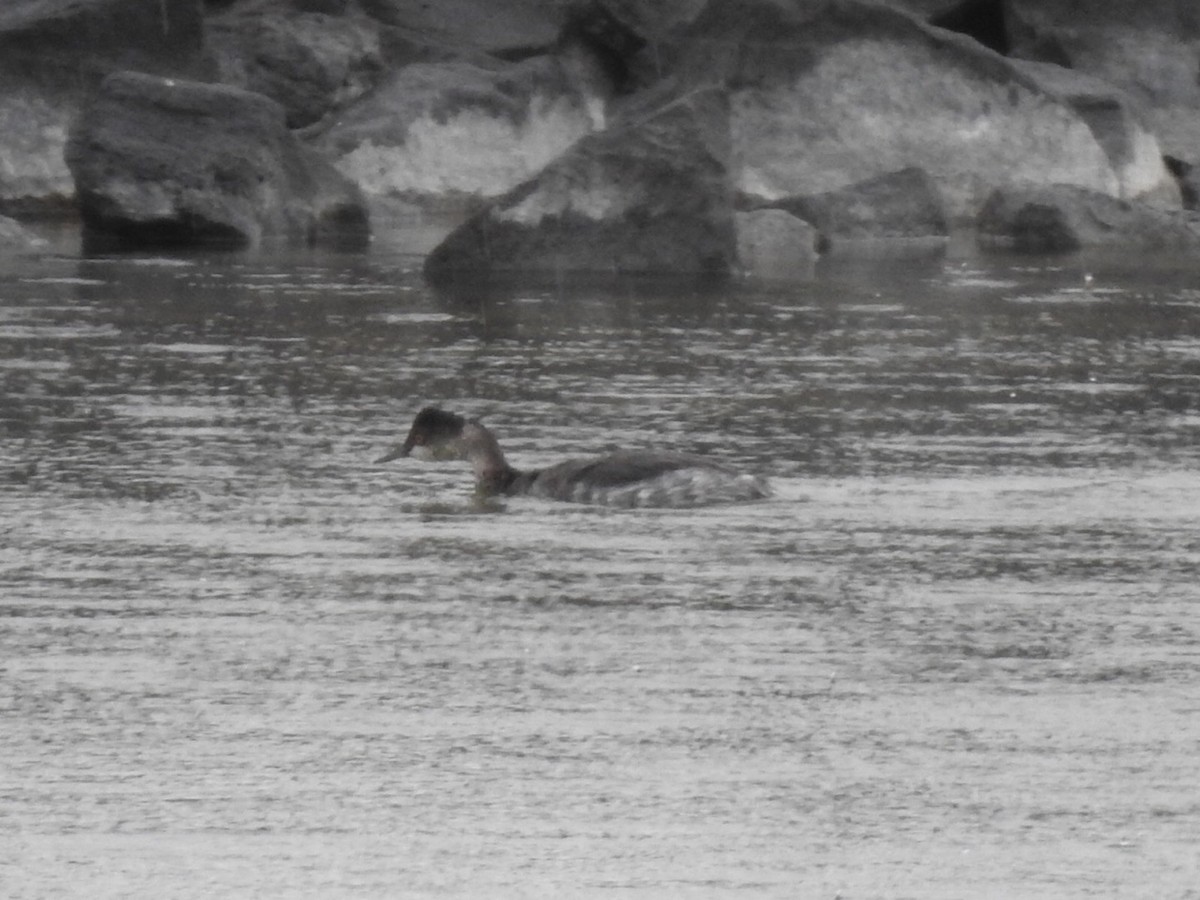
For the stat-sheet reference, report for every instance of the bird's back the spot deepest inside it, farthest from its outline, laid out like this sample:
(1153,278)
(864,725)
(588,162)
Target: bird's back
(644,479)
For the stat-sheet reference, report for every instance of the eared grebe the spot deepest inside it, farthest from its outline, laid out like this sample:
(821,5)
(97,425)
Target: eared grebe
(626,478)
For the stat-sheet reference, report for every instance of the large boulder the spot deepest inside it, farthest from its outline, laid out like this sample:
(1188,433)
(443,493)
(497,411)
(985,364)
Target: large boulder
(450,134)
(52,52)
(897,206)
(827,94)
(774,245)
(311,63)
(1064,218)
(162,161)
(1119,126)
(649,194)
(1150,49)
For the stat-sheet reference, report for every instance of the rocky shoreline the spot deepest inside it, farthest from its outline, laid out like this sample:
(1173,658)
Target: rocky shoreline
(714,137)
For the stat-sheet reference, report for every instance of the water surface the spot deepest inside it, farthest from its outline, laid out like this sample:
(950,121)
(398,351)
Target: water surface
(956,655)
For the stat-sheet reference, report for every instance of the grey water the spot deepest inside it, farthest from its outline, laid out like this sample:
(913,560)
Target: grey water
(956,655)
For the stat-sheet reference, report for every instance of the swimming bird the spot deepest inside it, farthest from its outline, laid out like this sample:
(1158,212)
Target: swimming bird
(629,478)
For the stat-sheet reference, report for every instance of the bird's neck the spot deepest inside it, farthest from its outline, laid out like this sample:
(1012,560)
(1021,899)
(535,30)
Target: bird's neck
(493,474)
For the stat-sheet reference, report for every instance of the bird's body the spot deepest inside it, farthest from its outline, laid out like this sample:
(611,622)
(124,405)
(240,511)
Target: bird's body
(635,478)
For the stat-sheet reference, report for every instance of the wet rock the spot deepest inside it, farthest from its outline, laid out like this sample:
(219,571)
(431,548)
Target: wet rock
(900,205)
(1063,218)
(161,161)
(773,244)
(52,52)
(647,195)
(866,90)
(309,62)
(448,134)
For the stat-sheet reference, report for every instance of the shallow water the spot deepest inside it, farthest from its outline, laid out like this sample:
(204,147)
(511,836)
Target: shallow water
(957,655)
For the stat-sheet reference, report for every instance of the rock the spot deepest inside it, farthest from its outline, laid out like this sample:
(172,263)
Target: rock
(160,161)
(1187,176)
(449,134)
(828,94)
(99,36)
(638,41)
(613,40)
(52,52)
(1064,218)
(15,238)
(1150,49)
(647,195)
(773,244)
(309,63)
(34,122)
(900,205)
(505,28)
(982,20)
(1117,124)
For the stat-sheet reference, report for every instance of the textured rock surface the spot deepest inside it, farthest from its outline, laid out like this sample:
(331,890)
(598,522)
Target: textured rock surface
(773,244)
(647,195)
(311,63)
(1063,218)
(51,53)
(865,90)
(159,161)
(34,123)
(441,107)
(1150,49)
(904,204)
(1120,128)
(440,132)
(503,27)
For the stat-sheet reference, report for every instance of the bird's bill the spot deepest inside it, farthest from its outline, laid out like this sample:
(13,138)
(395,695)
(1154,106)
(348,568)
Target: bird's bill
(400,450)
